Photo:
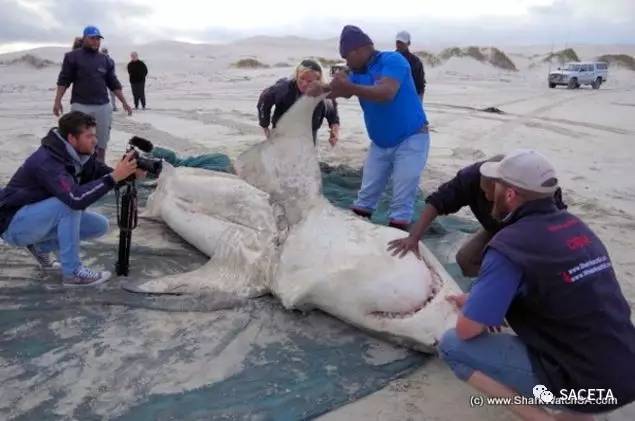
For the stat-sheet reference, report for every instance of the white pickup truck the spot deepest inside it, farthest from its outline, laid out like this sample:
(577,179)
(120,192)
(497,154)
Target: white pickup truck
(573,75)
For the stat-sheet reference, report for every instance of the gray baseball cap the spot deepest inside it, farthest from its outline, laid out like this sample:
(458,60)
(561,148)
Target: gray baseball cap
(524,168)
(403,36)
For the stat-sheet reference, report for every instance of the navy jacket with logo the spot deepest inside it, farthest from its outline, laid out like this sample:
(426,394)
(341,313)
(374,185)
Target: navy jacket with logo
(91,73)
(51,172)
(570,311)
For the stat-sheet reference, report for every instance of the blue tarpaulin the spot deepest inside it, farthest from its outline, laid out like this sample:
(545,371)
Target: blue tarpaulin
(105,353)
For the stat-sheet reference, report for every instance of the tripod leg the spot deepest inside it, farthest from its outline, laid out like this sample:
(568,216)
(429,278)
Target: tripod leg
(127,221)
(126,225)
(121,266)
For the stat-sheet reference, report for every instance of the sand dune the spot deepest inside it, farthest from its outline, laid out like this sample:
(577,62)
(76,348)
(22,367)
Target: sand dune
(620,60)
(30,60)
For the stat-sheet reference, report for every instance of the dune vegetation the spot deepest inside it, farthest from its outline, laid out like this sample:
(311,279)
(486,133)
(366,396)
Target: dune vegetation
(250,63)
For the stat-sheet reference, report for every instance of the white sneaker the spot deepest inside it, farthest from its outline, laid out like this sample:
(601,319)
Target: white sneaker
(83,277)
(46,260)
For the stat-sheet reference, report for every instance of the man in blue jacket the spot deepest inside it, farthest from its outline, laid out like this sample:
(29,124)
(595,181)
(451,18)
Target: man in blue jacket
(43,208)
(92,75)
(395,121)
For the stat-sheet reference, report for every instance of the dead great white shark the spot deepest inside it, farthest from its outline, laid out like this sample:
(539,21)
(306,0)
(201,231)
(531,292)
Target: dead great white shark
(269,229)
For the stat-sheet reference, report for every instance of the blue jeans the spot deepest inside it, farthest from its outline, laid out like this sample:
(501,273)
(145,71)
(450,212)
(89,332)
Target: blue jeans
(51,225)
(501,356)
(404,163)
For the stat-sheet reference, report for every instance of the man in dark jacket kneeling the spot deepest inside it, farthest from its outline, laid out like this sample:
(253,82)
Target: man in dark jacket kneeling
(43,208)
(468,188)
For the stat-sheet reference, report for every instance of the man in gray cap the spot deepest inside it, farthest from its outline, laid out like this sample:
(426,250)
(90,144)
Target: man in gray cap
(92,74)
(551,279)
(416,66)
(468,188)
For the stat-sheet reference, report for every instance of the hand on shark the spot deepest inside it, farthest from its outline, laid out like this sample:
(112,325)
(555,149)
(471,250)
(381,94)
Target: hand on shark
(316,89)
(402,246)
(334,134)
(457,300)
(341,86)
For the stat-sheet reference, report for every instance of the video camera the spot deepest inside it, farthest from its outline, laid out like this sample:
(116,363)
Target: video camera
(336,68)
(127,206)
(144,162)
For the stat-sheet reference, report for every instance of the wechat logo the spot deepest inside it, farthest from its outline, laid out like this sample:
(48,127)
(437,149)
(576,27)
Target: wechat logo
(543,394)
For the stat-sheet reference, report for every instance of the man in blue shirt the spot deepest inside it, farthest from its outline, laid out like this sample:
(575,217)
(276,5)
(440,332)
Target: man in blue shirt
(550,278)
(395,121)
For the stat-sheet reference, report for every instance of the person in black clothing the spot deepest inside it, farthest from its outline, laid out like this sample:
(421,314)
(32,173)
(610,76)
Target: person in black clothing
(467,188)
(418,72)
(138,71)
(285,92)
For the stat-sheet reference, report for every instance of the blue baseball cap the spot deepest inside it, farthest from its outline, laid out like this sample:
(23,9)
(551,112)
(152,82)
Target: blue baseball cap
(92,32)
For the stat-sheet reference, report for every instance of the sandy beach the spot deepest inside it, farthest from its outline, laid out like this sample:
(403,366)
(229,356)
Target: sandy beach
(199,102)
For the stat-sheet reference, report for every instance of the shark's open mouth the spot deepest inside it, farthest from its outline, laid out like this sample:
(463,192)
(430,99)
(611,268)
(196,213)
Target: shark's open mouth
(437,284)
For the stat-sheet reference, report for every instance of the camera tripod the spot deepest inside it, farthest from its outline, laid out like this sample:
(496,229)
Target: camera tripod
(127,221)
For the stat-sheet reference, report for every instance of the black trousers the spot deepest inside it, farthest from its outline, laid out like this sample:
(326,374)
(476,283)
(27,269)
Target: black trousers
(139,94)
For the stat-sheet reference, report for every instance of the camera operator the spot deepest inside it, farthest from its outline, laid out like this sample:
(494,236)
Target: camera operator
(43,208)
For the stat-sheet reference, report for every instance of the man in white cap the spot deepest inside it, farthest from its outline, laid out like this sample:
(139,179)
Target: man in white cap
(550,277)
(416,66)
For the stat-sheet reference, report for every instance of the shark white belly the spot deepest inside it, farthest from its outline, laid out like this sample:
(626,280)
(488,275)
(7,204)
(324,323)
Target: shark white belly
(269,229)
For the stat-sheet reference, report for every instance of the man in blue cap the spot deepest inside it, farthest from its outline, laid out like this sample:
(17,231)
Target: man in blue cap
(92,74)
(395,121)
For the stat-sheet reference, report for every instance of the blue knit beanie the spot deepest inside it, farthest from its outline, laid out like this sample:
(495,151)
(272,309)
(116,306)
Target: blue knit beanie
(352,38)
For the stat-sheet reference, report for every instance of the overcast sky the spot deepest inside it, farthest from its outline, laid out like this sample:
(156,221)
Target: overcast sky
(478,22)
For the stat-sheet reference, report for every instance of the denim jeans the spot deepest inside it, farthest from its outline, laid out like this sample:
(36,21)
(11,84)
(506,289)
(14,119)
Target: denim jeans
(404,163)
(51,225)
(501,356)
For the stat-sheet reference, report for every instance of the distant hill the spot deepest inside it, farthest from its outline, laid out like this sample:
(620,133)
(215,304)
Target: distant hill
(490,55)
(30,60)
(327,62)
(428,58)
(622,60)
(250,63)
(562,56)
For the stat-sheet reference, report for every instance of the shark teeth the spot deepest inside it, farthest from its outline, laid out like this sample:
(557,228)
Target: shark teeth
(408,313)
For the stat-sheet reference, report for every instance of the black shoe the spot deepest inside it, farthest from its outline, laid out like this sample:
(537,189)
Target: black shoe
(362,212)
(400,225)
